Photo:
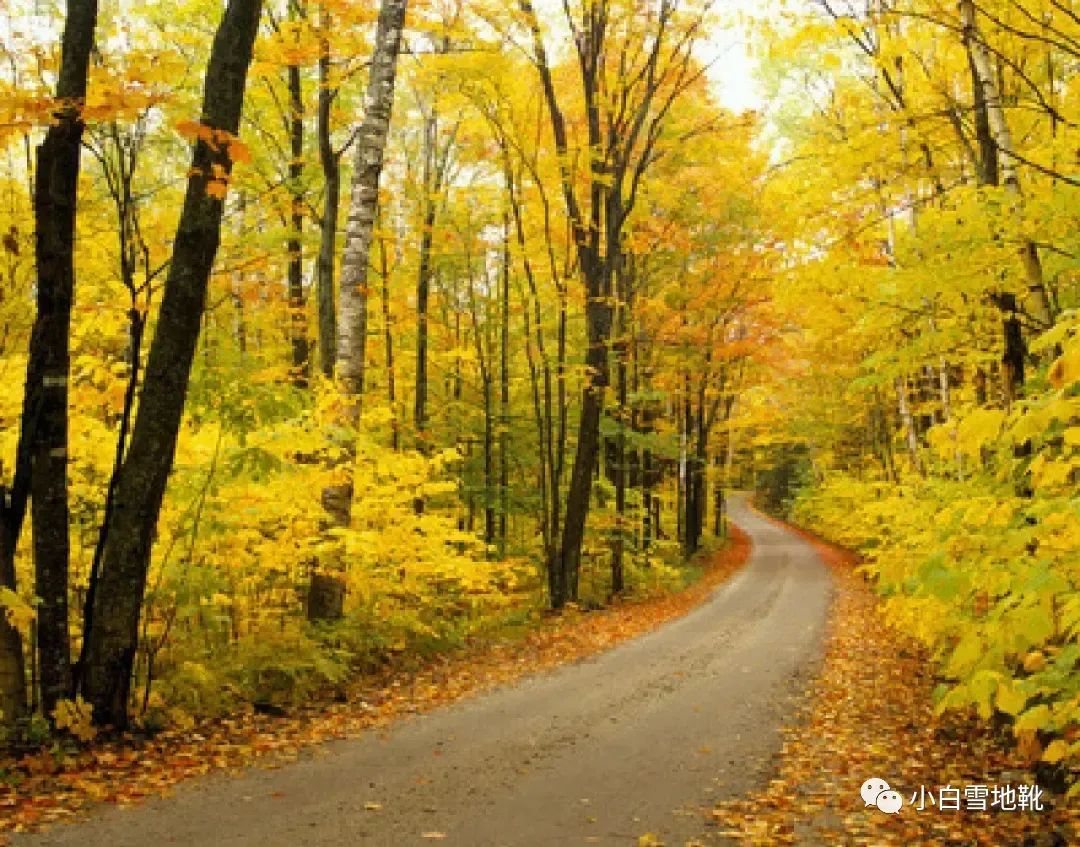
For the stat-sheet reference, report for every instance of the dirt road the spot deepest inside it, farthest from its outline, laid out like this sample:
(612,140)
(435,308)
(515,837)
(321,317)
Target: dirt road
(639,739)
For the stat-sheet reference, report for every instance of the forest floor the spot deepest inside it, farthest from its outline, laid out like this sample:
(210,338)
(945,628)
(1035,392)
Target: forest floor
(631,745)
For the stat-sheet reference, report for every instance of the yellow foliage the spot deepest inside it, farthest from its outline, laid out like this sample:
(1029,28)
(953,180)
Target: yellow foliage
(76,716)
(19,613)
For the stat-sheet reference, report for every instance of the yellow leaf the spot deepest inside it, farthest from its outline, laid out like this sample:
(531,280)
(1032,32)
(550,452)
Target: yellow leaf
(1066,370)
(978,428)
(19,612)
(1055,751)
(1010,700)
(76,716)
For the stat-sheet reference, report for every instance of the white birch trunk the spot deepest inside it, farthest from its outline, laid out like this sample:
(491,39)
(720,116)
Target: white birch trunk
(363,203)
(1037,302)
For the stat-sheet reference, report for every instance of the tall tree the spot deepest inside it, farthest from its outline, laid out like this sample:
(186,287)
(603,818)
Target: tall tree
(46,427)
(364,201)
(330,162)
(111,640)
(633,65)
(294,124)
(353,292)
(988,96)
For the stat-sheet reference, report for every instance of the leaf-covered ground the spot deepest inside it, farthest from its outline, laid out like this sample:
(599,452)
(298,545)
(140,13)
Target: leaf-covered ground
(869,714)
(53,786)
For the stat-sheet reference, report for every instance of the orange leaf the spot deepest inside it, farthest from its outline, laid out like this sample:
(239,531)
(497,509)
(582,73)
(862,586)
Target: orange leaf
(239,151)
(188,128)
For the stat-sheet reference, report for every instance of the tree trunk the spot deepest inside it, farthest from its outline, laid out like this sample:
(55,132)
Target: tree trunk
(237,292)
(696,488)
(617,162)
(301,367)
(719,504)
(113,634)
(55,194)
(12,672)
(568,562)
(908,420)
(504,389)
(388,344)
(1037,302)
(986,156)
(621,347)
(539,378)
(363,206)
(618,582)
(435,164)
(330,161)
(423,293)
(485,362)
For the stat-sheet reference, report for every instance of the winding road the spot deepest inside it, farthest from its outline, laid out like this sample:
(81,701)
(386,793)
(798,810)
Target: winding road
(640,739)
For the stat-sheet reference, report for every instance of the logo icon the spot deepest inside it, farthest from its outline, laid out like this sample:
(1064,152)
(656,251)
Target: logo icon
(876,792)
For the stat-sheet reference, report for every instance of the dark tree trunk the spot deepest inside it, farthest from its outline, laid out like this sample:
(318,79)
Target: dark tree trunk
(388,344)
(12,672)
(113,635)
(1012,355)
(504,389)
(434,173)
(695,517)
(330,161)
(719,508)
(568,566)
(618,583)
(490,526)
(55,193)
(482,341)
(423,292)
(301,367)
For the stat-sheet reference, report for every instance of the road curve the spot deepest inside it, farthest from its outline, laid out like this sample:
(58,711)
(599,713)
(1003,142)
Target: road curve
(639,739)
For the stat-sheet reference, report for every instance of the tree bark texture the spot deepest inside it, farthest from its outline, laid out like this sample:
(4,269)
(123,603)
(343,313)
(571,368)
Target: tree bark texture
(55,193)
(113,635)
(363,207)
(364,201)
(330,161)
